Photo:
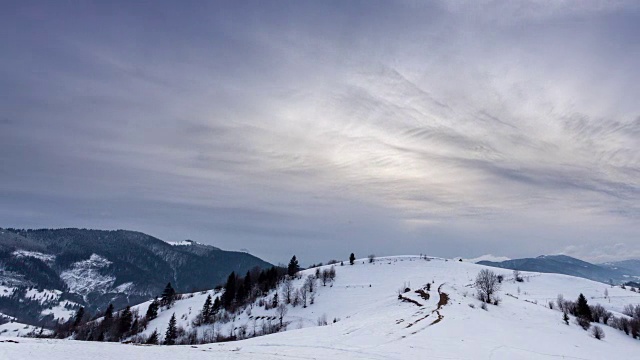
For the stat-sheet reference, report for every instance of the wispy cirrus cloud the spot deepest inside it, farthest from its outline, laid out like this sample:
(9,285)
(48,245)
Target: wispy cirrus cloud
(460,127)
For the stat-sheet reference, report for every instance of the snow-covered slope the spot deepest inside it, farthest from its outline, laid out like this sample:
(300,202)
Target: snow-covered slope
(84,277)
(372,323)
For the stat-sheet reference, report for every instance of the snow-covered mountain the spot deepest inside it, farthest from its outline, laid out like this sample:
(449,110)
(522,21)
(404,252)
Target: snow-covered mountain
(46,275)
(438,318)
(563,264)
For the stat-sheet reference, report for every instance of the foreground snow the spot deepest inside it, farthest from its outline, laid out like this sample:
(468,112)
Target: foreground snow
(373,324)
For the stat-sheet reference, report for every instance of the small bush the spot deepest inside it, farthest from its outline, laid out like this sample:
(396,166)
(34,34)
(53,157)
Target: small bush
(597,332)
(583,322)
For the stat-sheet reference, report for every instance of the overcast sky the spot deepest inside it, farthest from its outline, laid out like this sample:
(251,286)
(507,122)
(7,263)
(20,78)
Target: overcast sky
(318,128)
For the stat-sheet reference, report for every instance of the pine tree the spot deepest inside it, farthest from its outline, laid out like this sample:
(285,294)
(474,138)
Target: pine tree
(582,308)
(124,322)
(229,291)
(565,318)
(152,310)
(205,314)
(108,314)
(172,331)
(352,259)
(293,267)
(274,303)
(216,306)
(78,318)
(168,295)
(248,284)
(153,338)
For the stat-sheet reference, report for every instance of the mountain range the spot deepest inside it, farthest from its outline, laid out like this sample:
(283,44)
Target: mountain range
(47,274)
(619,272)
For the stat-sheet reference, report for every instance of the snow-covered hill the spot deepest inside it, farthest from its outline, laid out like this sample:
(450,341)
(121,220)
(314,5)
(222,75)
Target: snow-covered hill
(372,323)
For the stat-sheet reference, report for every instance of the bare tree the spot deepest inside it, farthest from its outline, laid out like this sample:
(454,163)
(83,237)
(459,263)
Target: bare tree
(325,277)
(303,295)
(282,310)
(560,302)
(287,290)
(487,285)
(332,273)
(310,283)
(296,297)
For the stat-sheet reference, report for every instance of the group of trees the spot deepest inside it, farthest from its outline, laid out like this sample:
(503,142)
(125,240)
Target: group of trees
(239,291)
(114,326)
(586,314)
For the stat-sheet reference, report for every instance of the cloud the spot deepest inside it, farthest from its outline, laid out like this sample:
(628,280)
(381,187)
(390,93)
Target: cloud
(495,127)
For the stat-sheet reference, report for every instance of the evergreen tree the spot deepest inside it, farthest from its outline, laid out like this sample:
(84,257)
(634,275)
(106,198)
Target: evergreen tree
(124,322)
(153,338)
(135,326)
(229,291)
(168,295)
(565,318)
(274,302)
(171,334)
(352,259)
(216,306)
(152,310)
(293,267)
(206,312)
(78,318)
(248,284)
(582,308)
(108,314)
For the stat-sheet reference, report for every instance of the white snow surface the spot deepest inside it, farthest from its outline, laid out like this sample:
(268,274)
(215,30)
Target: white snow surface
(60,312)
(373,324)
(14,329)
(84,276)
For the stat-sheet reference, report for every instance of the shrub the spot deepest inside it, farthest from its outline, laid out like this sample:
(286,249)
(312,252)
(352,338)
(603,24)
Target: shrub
(583,322)
(597,332)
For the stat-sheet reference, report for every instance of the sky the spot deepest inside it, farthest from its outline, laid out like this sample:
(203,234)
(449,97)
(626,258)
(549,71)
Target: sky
(321,128)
